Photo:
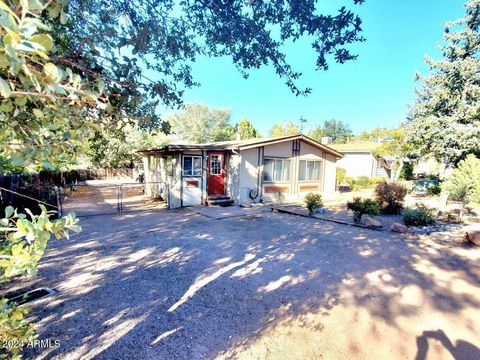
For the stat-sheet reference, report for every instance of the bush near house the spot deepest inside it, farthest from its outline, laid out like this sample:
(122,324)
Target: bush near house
(464,183)
(341,172)
(420,216)
(363,206)
(313,202)
(390,196)
(434,190)
(362,182)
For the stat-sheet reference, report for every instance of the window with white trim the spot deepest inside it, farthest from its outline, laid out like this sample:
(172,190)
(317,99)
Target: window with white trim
(309,170)
(192,165)
(276,170)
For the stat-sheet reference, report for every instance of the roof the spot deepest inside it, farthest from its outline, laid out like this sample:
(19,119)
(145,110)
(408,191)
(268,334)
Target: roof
(242,145)
(356,146)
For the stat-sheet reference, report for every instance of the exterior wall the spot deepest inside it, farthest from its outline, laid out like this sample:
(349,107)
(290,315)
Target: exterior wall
(251,173)
(193,188)
(250,166)
(358,164)
(232,176)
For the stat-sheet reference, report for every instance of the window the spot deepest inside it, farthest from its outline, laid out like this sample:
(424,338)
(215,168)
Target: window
(309,170)
(168,163)
(276,170)
(192,165)
(215,165)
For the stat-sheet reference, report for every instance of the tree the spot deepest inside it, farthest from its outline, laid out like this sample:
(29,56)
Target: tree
(337,130)
(145,48)
(284,128)
(394,150)
(444,120)
(316,133)
(246,130)
(373,134)
(197,123)
(45,112)
(464,183)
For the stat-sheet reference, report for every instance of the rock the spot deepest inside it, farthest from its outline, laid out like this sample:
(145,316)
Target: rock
(473,234)
(422,231)
(400,228)
(371,222)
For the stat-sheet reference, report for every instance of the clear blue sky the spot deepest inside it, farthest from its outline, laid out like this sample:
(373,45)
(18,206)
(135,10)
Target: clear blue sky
(373,90)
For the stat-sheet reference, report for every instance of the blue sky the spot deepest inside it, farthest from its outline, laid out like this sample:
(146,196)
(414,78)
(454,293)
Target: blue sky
(374,90)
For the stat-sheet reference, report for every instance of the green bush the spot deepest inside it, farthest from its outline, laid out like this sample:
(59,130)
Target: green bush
(360,207)
(361,182)
(434,190)
(407,171)
(421,216)
(340,176)
(390,196)
(464,183)
(313,202)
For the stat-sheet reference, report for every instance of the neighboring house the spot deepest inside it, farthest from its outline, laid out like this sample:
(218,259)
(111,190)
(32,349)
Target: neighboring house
(359,159)
(241,172)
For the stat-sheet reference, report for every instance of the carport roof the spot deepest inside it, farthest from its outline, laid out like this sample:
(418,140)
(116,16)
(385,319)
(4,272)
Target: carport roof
(241,145)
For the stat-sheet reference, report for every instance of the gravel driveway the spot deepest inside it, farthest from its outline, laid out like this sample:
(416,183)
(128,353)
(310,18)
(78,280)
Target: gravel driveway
(179,285)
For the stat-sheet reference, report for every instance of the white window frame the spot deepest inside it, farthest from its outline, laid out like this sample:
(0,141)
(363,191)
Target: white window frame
(192,168)
(220,156)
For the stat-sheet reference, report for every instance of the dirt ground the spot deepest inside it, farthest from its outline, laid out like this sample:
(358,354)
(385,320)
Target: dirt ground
(179,285)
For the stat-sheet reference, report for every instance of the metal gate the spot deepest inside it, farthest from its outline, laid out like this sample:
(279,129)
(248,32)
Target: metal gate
(102,197)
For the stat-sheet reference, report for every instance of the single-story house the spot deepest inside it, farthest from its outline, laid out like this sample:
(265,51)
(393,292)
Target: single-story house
(240,171)
(359,159)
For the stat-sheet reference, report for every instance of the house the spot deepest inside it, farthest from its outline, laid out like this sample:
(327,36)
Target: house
(240,171)
(359,159)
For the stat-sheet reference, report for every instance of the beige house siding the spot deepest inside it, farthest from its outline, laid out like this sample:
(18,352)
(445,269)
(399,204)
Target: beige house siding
(250,165)
(232,176)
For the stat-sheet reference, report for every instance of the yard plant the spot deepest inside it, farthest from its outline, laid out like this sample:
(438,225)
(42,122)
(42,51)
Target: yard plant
(464,183)
(313,202)
(420,216)
(390,196)
(361,206)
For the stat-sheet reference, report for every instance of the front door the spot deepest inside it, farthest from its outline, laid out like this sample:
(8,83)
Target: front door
(216,173)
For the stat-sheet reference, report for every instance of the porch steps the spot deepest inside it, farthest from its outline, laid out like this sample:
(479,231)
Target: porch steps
(222,200)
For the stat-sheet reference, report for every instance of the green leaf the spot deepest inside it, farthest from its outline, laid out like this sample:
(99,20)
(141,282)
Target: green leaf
(8,211)
(44,40)
(5,90)
(6,106)
(38,113)
(51,71)
(20,101)
(35,4)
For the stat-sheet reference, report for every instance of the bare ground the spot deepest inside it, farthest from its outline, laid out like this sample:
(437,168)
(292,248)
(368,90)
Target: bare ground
(179,285)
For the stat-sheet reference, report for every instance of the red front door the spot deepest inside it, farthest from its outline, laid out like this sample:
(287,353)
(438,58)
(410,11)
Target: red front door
(216,173)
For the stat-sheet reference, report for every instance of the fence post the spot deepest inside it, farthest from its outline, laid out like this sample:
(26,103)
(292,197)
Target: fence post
(59,202)
(119,199)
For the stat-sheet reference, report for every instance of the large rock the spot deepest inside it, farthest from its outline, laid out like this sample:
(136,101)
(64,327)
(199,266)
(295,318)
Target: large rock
(473,234)
(400,228)
(371,222)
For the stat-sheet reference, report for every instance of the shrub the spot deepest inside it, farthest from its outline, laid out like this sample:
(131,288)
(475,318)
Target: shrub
(464,183)
(434,190)
(341,176)
(407,171)
(361,182)
(420,216)
(360,207)
(313,202)
(390,196)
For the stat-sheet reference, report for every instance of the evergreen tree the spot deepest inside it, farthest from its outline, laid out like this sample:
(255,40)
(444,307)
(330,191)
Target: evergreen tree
(284,128)
(246,130)
(445,117)
(337,130)
(316,133)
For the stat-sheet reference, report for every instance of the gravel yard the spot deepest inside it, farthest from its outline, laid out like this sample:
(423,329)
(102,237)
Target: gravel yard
(180,285)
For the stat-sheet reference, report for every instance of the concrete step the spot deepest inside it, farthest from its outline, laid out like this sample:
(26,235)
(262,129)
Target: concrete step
(221,202)
(218,197)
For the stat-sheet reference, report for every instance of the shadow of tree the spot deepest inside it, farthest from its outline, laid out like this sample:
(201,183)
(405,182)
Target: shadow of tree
(179,285)
(462,350)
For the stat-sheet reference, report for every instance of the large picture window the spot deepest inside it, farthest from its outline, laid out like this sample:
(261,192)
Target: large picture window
(192,165)
(276,170)
(309,170)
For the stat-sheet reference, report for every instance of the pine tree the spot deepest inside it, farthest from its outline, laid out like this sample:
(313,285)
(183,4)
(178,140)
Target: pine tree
(246,130)
(445,118)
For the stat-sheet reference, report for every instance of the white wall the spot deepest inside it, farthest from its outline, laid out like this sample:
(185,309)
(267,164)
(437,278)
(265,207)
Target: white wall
(232,180)
(249,171)
(358,164)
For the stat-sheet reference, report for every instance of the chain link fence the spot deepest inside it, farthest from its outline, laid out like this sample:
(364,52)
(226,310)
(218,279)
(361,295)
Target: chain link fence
(101,197)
